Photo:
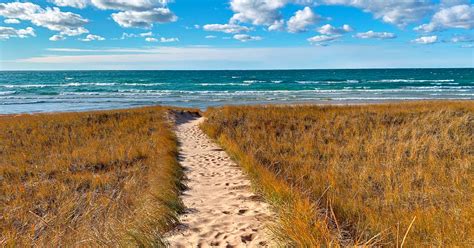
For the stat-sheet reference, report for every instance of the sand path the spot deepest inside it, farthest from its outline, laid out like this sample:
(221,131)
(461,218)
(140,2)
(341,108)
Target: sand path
(222,210)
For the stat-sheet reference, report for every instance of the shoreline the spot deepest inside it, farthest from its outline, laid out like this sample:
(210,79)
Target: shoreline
(310,103)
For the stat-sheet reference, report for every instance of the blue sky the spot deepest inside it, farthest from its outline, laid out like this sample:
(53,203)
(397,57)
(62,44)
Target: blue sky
(235,34)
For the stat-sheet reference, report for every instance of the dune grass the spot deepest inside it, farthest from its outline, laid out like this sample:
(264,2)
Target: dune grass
(107,178)
(386,175)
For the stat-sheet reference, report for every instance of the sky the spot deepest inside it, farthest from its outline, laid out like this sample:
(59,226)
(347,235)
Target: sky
(235,34)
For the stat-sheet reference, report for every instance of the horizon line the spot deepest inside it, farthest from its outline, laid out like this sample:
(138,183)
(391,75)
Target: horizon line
(267,69)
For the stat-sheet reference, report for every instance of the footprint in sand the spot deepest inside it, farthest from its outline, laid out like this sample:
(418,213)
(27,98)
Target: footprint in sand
(218,214)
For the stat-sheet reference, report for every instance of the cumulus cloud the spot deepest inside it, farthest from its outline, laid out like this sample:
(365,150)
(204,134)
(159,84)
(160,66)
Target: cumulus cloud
(226,28)
(11,21)
(133,13)
(129,5)
(323,39)
(277,25)
(301,20)
(268,12)
(72,3)
(210,37)
(400,13)
(19,10)
(92,37)
(246,37)
(328,29)
(458,16)
(375,35)
(66,23)
(9,32)
(57,37)
(426,40)
(138,13)
(257,12)
(144,19)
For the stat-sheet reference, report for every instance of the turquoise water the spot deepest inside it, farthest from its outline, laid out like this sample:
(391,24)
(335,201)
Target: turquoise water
(50,91)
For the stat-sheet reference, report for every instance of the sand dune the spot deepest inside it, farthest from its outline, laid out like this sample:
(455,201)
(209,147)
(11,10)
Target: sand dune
(222,210)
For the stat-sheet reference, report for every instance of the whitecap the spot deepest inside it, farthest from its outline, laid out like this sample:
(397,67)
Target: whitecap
(11,86)
(410,80)
(254,81)
(6,93)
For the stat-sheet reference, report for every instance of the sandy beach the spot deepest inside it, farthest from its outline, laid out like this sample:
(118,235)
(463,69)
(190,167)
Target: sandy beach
(221,209)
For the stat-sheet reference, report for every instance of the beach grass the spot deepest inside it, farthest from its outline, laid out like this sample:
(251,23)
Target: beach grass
(107,178)
(398,174)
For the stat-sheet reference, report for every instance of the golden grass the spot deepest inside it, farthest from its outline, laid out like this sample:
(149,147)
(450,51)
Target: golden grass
(106,178)
(390,174)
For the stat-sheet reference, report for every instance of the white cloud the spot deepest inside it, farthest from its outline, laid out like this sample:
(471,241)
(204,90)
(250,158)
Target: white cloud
(72,3)
(458,16)
(134,13)
(19,10)
(226,28)
(246,37)
(257,12)
(268,12)
(92,37)
(167,40)
(9,32)
(129,5)
(328,29)
(461,38)
(144,19)
(162,40)
(323,39)
(66,23)
(11,21)
(301,20)
(425,40)
(57,37)
(400,13)
(147,34)
(131,35)
(127,35)
(150,39)
(375,35)
(277,25)
(210,37)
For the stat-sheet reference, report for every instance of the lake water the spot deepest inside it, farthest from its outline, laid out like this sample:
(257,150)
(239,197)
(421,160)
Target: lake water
(51,91)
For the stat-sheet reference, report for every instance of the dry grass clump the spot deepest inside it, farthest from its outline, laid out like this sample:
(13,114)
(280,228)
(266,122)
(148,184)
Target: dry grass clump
(106,178)
(388,174)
